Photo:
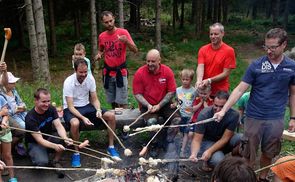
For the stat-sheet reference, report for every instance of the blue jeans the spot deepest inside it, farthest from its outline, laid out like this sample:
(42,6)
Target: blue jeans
(219,155)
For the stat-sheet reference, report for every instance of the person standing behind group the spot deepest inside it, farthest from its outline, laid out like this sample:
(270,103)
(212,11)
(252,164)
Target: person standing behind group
(112,44)
(80,52)
(272,82)
(215,61)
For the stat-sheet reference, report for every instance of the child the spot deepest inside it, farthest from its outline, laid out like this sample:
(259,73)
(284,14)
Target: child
(6,139)
(186,95)
(79,52)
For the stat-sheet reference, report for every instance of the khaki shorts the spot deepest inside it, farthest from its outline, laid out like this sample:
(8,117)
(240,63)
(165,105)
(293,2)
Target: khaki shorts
(266,133)
(6,136)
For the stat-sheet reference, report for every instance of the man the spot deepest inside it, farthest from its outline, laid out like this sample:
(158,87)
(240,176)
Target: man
(272,82)
(153,87)
(213,140)
(41,119)
(113,43)
(215,62)
(78,89)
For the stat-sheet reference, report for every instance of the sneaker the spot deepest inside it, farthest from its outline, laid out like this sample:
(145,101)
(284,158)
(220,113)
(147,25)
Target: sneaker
(76,160)
(12,180)
(113,152)
(20,149)
(60,173)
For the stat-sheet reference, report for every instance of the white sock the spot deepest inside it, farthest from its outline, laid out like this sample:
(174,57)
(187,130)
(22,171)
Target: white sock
(111,146)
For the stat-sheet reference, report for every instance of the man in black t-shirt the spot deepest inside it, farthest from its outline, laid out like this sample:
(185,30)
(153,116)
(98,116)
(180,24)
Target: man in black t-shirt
(42,118)
(214,139)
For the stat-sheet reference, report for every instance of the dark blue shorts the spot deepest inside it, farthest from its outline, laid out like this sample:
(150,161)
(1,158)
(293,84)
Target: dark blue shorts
(184,129)
(88,111)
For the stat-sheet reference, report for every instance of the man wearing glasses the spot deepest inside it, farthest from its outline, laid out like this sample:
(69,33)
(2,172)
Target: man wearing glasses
(214,139)
(272,78)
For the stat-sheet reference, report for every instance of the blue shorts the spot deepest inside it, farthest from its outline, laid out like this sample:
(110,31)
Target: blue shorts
(184,129)
(88,111)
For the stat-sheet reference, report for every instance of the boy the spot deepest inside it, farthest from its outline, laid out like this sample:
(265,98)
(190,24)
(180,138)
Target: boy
(79,52)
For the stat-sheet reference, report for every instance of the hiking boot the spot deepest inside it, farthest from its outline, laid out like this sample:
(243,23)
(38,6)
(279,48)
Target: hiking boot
(60,173)
(114,154)
(76,160)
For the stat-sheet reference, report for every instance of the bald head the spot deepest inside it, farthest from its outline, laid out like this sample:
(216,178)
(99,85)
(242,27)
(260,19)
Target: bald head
(153,60)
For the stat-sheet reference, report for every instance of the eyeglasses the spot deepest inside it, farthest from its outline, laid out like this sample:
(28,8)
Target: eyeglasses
(272,48)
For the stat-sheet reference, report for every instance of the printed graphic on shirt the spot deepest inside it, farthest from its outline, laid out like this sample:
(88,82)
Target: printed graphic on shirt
(162,80)
(266,67)
(113,49)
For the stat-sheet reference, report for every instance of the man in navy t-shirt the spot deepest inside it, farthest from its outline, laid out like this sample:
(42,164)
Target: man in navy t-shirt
(272,81)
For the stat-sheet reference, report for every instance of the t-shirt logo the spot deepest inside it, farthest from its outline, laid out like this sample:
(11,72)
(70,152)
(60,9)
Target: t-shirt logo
(162,80)
(266,67)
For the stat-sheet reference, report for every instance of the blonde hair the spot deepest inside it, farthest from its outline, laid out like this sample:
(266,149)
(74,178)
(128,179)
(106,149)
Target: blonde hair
(187,73)
(79,47)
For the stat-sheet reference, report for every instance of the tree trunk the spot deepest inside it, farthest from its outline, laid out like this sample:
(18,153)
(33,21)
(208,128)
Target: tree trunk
(33,40)
(215,10)
(133,12)
(77,21)
(275,12)
(158,25)
(93,31)
(198,19)
(138,16)
(203,19)
(219,11)
(175,14)
(42,42)
(224,11)
(286,14)
(209,10)
(53,49)
(121,13)
(193,11)
(182,15)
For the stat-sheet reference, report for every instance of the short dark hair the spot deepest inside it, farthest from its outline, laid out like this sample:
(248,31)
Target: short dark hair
(39,91)
(79,61)
(106,13)
(233,169)
(279,33)
(222,95)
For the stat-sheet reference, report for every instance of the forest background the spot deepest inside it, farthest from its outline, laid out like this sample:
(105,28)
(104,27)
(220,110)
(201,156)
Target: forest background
(45,32)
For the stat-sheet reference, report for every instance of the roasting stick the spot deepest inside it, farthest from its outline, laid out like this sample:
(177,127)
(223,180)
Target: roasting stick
(75,143)
(127,152)
(154,162)
(126,128)
(144,149)
(7,38)
(99,172)
(157,127)
(106,160)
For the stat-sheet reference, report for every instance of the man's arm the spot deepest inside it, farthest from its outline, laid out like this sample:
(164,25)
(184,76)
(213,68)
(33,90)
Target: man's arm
(75,112)
(60,129)
(163,102)
(292,108)
(234,96)
(143,101)
(99,53)
(200,74)
(132,47)
(195,146)
(47,144)
(218,144)
(94,100)
(4,77)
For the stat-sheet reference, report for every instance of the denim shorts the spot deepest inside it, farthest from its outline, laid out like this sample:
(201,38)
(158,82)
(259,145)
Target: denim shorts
(184,129)
(116,94)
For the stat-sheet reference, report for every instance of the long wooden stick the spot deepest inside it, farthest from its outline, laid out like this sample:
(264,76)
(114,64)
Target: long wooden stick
(143,114)
(7,38)
(274,164)
(144,149)
(51,168)
(45,134)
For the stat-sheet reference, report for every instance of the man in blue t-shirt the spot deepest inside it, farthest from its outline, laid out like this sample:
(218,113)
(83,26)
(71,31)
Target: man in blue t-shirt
(214,139)
(272,78)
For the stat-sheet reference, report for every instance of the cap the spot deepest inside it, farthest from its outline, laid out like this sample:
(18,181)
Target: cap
(11,78)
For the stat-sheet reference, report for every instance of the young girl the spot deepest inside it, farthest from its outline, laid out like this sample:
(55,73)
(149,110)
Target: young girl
(186,95)
(6,139)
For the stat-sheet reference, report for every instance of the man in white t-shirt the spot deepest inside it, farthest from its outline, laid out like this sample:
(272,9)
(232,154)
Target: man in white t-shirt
(81,106)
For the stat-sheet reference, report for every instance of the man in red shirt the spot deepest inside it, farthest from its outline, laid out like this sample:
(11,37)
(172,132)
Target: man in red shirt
(112,44)
(153,87)
(215,61)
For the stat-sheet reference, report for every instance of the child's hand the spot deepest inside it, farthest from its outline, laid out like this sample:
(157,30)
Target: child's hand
(4,111)
(173,105)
